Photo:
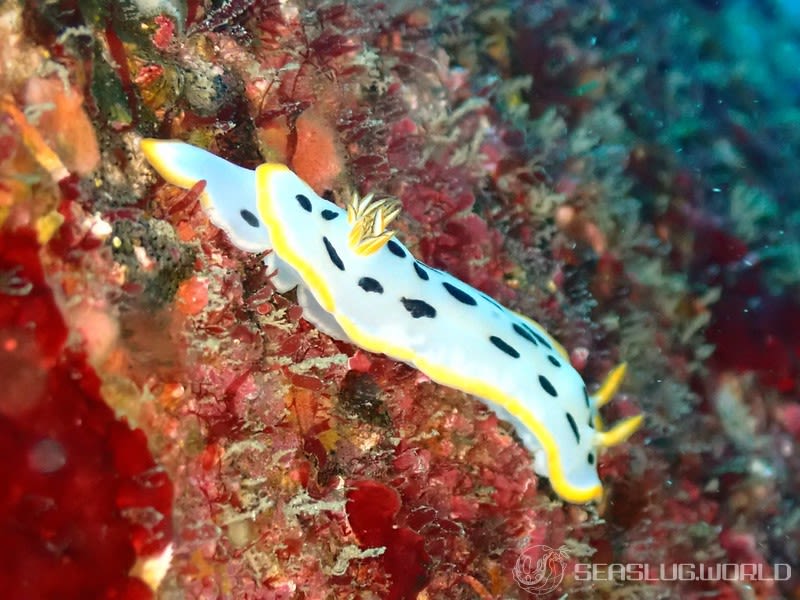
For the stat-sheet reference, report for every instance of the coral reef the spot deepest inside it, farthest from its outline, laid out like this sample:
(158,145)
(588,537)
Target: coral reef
(172,427)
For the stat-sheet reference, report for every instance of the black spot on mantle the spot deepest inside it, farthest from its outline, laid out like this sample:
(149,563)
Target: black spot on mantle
(332,254)
(542,341)
(500,344)
(492,301)
(421,273)
(396,249)
(368,284)
(459,294)
(418,308)
(526,332)
(574,427)
(249,218)
(304,202)
(547,386)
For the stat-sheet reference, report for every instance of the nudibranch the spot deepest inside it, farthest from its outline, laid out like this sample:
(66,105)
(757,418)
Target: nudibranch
(356,282)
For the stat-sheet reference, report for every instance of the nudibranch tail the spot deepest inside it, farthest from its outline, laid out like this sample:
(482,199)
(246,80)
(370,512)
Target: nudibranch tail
(180,164)
(229,195)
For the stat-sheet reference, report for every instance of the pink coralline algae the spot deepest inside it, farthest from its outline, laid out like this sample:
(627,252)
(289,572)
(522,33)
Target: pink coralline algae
(371,511)
(82,498)
(567,158)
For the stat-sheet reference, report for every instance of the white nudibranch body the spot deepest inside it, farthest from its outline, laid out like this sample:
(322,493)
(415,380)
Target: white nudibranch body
(356,282)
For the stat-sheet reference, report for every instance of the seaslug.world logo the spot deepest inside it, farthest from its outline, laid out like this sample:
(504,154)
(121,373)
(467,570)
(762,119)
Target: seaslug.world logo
(540,569)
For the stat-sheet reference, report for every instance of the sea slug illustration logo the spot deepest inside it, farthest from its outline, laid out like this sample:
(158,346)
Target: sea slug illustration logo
(540,569)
